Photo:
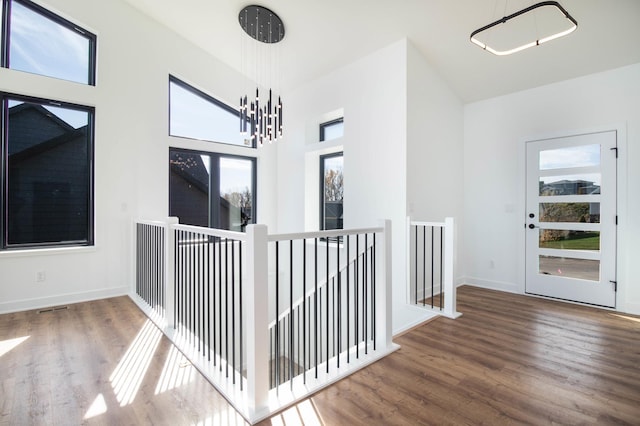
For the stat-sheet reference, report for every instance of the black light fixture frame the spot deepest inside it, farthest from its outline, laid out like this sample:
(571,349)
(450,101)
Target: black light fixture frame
(515,15)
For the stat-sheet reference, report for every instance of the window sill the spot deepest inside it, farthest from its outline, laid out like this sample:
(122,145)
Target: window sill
(53,251)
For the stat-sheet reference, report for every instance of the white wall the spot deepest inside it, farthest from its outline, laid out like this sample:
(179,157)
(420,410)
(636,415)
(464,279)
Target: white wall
(434,146)
(494,135)
(135,57)
(388,98)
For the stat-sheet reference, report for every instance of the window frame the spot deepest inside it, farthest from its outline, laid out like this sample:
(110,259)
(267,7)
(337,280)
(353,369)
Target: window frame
(207,97)
(214,183)
(5,97)
(321,176)
(36,8)
(329,123)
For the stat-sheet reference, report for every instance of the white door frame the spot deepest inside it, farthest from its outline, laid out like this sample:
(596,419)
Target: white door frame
(622,260)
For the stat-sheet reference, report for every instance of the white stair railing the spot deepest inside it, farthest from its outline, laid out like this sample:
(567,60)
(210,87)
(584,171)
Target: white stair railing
(212,293)
(430,266)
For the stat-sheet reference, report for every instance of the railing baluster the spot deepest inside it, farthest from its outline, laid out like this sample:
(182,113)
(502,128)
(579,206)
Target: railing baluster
(304,311)
(277,338)
(291,355)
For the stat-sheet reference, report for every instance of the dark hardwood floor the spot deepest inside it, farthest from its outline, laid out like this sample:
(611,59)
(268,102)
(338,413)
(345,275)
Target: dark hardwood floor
(509,359)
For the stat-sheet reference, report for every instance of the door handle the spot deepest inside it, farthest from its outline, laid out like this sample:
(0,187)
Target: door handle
(532,226)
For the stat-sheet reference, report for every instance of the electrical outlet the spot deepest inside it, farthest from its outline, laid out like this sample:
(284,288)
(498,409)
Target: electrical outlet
(41,276)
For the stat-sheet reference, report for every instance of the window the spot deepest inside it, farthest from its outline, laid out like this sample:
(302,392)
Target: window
(47,173)
(331,191)
(212,190)
(194,114)
(332,129)
(38,41)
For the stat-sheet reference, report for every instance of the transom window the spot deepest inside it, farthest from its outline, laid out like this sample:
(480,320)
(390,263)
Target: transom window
(38,41)
(47,173)
(212,190)
(196,115)
(332,129)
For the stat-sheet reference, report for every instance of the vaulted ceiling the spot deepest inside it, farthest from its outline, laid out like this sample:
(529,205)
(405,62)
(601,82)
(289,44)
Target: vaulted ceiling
(327,34)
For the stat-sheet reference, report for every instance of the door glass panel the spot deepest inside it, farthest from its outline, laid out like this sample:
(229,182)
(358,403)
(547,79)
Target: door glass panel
(570,212)
(574,156)
(570,268)
(581,184)
(189,187)
(569,240)
(236,209)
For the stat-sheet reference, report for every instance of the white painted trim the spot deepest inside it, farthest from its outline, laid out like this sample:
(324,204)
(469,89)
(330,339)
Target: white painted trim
(424,316)
(493,285)
(62,299)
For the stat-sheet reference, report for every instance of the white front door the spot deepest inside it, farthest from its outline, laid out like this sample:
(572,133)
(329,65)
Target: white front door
(571,218)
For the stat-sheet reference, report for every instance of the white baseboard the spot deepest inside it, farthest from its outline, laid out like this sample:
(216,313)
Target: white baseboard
(492,285)
(62,299)
(423,316)
(631,308)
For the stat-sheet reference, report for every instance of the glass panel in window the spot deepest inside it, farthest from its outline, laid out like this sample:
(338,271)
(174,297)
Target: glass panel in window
(575,156)
(195,115)
(569,240)
(332,130)
(48,175)
(189,177)
(333,191)
(582,184)
(570,212)
(236,177)
(583,269)
(42,43)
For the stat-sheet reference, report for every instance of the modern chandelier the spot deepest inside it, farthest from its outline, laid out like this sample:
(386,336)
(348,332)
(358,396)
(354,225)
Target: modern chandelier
(261,117)
(568,28)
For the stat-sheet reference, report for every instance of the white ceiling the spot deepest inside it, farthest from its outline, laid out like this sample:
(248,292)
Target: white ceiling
(323,35)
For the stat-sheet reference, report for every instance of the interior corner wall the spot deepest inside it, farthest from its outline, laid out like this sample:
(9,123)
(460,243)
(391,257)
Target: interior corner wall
(494,133)
(434,147)
(135,55)
(372,93)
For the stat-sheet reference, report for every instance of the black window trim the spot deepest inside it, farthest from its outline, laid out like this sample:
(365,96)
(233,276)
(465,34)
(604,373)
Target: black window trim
(6,31)
(209,98)
(323,157)
(214,182)
(328,124)
(4,110)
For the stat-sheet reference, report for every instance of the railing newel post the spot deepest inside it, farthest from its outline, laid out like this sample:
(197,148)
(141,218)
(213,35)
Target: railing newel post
(449,286)
(169,272)
(257,318)
(383,288)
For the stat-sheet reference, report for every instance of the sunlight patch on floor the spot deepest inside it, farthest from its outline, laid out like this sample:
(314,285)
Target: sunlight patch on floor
(303,413)
(177,371)
(99,406)
(635,319)
(130,371)
(7,345)
(228,417)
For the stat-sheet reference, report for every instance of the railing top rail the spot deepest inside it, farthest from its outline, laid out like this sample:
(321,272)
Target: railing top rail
(234,235)
(417,223)
(323,234)
(151,222)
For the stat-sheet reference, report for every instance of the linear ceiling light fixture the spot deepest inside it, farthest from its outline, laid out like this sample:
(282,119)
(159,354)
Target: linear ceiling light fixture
(261,118)
(553,5)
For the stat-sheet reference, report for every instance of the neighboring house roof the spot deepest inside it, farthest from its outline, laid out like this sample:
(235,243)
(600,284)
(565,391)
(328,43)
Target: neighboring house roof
(24,135)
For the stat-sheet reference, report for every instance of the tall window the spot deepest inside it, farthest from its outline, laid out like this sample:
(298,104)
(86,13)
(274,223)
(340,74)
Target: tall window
(47,173)
(332,129)
(212,190)
(331,191)
(194,114)
(38,41)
